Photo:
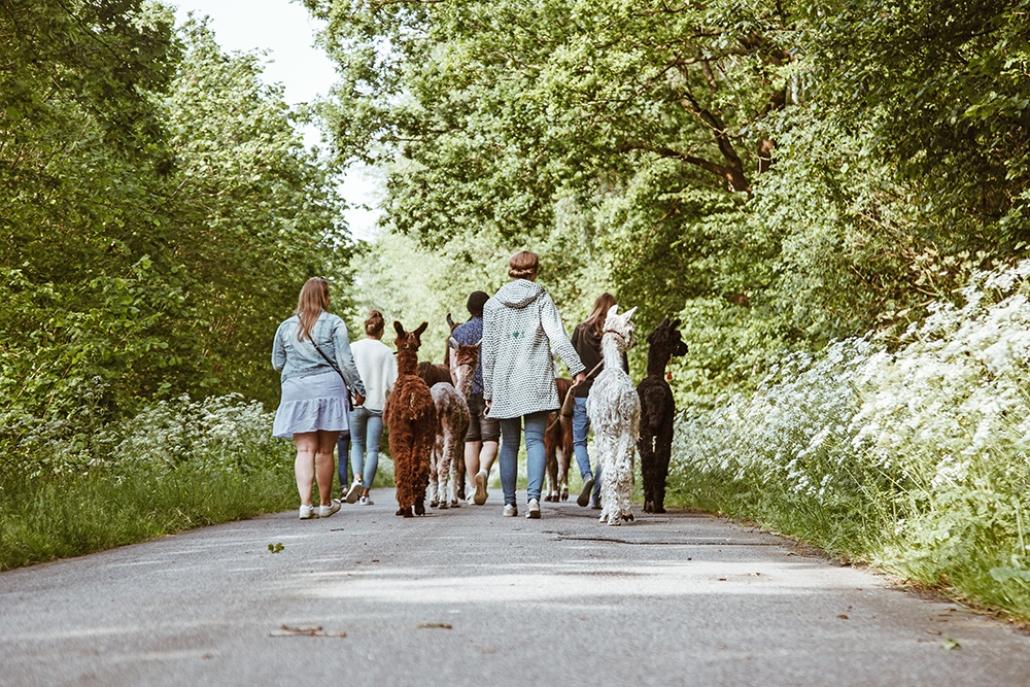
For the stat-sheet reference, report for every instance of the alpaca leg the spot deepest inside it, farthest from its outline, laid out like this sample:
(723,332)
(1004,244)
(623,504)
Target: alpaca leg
(434,470)
(454,450)
(624,483)
(568,453)
(663,455)
(443,469)
(422,449)
(647,462)
(552,466)
(609,502)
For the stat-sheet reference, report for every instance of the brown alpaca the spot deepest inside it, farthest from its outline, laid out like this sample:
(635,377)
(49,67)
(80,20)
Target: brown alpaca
(411,417)
(558,446)
(657,409)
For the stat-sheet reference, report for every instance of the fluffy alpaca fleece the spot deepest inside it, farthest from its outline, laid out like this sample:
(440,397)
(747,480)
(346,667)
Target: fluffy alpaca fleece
(558,445)
(657,411)
(411,417)
(452,421)
(614,410)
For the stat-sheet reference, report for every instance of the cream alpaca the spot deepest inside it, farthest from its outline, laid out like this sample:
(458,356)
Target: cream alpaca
(614,409)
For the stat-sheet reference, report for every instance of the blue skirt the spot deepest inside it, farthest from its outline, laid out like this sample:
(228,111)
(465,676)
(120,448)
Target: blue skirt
(310,404)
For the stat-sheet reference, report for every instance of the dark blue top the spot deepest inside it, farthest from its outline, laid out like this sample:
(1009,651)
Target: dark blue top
(468,334)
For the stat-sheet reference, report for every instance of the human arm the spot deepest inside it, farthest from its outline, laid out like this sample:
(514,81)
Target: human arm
(278,350)
(345,361)
(488,351)
(555,331)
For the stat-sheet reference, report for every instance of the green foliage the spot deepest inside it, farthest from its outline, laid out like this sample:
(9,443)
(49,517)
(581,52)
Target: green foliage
(160,214)
(175,465)
(779,173)
(915,460)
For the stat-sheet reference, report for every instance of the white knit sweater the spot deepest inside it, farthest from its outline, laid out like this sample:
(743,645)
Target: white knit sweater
(521,331)
(378,369)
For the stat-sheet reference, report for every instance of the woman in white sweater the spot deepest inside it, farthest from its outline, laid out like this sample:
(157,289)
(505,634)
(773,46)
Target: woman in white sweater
(521,331)
(378,369)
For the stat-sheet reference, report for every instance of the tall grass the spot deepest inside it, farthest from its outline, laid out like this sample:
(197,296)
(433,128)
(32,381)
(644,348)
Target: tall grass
(176,465)
(914,457)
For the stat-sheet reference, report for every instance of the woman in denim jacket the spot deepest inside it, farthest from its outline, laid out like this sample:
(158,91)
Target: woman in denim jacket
(312,351)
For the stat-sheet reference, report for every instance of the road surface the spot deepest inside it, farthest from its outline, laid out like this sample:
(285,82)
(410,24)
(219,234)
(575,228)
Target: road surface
(466,597)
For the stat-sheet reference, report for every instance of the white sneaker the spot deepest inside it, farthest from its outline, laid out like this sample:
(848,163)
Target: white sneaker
(354,492)
(510,511)
(327,511)
(534,510)
(480,496)
(366,501)
(307,512)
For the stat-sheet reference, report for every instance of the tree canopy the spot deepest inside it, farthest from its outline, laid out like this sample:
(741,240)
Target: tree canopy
(160,212)
(779,173)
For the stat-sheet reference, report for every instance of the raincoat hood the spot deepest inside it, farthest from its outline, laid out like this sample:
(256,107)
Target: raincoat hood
(519,293)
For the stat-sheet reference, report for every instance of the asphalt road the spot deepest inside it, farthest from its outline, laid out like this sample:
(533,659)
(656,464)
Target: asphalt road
(466,597)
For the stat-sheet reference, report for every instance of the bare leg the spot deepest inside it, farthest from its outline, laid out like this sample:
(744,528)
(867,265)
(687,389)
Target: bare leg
(304,464)
(325,466)
(472,449)
(487,456)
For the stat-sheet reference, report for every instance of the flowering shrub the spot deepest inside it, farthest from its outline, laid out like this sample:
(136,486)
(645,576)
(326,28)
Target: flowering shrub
(913,456)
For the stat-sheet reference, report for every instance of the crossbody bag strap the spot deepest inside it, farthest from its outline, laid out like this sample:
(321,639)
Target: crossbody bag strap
(336,369)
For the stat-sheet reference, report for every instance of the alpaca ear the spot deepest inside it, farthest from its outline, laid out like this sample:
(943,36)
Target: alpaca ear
(450,322)
(421,328)
(452,342)
(628,315)
(664,324)
(614,310)
(479,343)
(399,327)
(676,323)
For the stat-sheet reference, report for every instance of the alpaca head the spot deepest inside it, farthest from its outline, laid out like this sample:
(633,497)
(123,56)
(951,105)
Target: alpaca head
(407,347)
(666,342)
(619,327)
(464,358)
(666,338)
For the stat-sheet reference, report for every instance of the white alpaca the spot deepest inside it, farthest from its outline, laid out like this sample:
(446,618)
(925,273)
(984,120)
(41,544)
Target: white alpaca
(614,410)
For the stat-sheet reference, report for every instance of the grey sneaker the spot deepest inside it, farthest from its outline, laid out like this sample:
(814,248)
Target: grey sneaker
(307,512)
(534,510)
(328,511)
(480,497)
(510,511)
(584,494)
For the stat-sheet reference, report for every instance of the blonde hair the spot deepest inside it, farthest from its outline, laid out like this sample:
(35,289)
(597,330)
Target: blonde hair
(523,265)
(313,301)
(374,324)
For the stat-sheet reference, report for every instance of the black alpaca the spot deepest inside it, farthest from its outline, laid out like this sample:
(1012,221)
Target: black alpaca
(657,409)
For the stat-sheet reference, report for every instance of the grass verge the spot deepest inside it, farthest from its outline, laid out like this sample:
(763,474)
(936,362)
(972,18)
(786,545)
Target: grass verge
(56,517)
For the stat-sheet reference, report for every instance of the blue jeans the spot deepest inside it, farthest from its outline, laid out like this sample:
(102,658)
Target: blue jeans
(580,428)
(343,450)
(536,456)
(366,428)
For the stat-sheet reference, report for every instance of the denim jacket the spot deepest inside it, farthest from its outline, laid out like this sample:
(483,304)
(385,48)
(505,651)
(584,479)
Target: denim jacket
(295,358)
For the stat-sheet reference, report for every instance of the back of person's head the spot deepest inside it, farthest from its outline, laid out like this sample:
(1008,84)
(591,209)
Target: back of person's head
(476,301)
(313,300)
(523,265)
(374,324)
(599,313)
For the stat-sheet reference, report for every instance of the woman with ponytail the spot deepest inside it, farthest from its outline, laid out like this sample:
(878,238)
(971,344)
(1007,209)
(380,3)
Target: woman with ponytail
(378,368)
(312,352)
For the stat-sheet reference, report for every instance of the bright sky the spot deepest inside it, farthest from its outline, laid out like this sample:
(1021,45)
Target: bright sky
(285,32)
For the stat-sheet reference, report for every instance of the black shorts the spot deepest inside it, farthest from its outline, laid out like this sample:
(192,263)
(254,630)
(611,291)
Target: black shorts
(481,427)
